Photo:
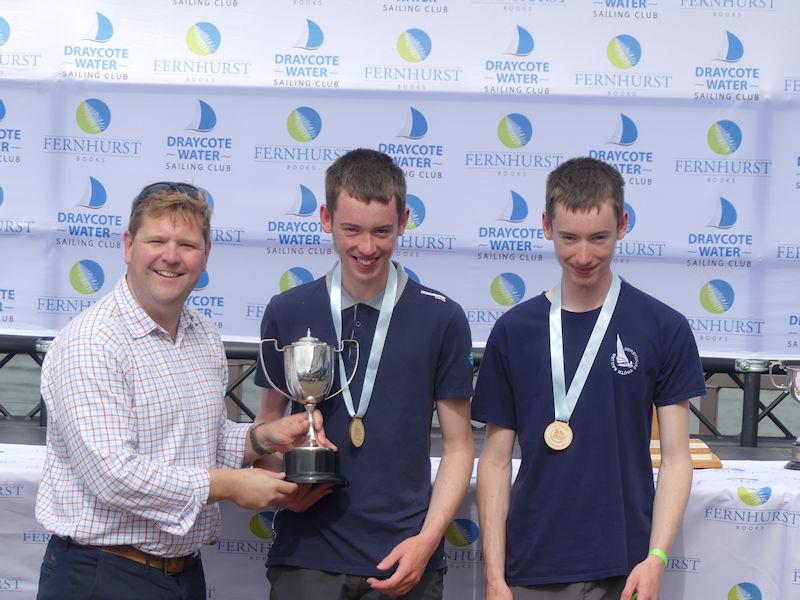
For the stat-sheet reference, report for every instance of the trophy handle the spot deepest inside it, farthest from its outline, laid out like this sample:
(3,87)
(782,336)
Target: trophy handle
(340,349)
(772,379)
(264,366)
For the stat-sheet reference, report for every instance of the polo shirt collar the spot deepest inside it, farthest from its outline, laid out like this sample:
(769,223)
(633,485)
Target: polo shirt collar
(138,322)
(375,302)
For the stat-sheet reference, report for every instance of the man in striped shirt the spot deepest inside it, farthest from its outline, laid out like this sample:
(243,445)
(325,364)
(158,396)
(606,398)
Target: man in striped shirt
(139,449)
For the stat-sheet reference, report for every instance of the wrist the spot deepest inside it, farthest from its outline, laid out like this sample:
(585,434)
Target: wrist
(659,554)
(259,446)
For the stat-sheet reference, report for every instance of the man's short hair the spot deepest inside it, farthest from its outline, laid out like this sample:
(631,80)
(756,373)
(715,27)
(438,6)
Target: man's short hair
(366,175)
(174,199)
(584,183)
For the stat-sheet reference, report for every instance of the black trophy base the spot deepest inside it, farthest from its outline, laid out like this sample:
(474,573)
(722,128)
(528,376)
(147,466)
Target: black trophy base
(312,465)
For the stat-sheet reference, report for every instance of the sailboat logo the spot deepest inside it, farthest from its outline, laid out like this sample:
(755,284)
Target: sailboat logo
(516,210)
(204,120)
(314,38)
(733,50)
(625,360)
(724,216)
(522,44)
(416,126)
(305,205)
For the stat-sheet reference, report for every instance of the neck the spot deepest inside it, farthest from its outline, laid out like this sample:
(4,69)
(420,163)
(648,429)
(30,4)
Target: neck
(581,299)
(363,292)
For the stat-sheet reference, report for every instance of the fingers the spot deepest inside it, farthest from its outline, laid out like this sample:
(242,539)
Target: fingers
(306,496)
(321,437)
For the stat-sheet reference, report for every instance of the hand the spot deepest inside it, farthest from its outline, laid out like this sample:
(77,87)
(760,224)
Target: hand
(498,590)
(645,580)
(255,489)
(306,496)
(290,432)
(411,557)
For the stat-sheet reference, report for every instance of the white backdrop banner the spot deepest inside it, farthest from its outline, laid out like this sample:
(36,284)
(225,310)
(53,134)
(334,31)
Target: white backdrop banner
(693,101)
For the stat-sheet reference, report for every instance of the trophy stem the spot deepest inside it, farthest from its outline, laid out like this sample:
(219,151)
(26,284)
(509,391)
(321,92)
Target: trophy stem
(312,432)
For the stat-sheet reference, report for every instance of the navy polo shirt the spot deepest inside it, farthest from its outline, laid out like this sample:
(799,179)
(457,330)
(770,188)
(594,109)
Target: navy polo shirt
(426,358)
(584,513)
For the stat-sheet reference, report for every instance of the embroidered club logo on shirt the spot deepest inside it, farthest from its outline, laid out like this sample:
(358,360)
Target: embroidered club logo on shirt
(625,360)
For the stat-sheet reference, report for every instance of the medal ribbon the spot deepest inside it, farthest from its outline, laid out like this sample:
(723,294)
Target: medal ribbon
(378,339)
(564,401)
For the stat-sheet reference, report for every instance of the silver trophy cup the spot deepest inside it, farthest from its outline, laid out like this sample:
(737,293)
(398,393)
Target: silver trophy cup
(791,385)
(308,366)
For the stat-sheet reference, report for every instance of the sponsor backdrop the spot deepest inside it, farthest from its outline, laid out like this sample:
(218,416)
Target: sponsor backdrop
(694,101)
(738,540)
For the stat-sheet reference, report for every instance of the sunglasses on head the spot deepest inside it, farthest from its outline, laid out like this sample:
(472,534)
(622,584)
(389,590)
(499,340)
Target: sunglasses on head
(167,186)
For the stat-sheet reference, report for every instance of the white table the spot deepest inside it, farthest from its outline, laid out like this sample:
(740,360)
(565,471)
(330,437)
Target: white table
(741,528)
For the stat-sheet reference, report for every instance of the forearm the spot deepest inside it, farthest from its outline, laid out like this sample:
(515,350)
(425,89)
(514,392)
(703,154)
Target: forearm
(494,492)
(672,493)
(452,480)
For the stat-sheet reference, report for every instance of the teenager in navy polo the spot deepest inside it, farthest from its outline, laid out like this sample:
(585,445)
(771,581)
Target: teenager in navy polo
(382,534)
(582,516)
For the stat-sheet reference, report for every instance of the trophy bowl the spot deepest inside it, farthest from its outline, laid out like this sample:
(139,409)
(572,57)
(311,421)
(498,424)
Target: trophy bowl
(308,366)
(791,386)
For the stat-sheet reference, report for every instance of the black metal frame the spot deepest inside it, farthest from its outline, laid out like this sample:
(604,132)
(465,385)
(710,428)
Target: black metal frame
(746,374)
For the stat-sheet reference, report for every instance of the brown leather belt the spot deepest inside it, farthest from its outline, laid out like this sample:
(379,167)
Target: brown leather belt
(171,566)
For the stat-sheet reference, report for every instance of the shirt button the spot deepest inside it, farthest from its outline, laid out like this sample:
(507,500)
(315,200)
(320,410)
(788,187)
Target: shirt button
(358,323)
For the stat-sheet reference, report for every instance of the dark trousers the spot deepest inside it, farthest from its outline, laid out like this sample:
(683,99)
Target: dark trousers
(294,583)
(82,572)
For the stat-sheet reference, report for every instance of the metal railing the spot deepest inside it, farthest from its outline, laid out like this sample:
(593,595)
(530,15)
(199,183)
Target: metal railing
(744,374)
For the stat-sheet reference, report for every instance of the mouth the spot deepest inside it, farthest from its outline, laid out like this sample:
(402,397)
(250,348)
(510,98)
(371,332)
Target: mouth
(168,274)
(583,272)
(366,263)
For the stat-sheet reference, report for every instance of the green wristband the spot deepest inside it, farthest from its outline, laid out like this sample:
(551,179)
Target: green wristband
(660,554)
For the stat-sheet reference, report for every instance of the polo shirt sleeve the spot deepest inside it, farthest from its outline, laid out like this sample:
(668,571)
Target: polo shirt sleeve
(273,360)
(494,395)
(681,374)
(454,369)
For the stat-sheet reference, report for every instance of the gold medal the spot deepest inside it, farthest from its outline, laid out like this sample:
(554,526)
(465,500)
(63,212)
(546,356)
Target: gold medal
(558,435)
(357,432)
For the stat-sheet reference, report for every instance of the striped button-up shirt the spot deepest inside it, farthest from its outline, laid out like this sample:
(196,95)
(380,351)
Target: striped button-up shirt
(135,421)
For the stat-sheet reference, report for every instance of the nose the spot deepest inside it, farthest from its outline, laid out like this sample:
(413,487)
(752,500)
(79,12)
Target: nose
(170,253)
(366,245)
(583,256)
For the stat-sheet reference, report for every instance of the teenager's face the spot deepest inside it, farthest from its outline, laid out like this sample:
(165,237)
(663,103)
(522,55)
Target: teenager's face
(364,235)
(584,243)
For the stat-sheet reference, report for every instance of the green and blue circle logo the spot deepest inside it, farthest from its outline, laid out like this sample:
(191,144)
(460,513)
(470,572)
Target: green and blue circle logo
(261,525)
(294,277)
(86,277)
(414,45)
(724,137)
(304,124)
(5,31)
(754,496)
(203,38)
(93,116)
(624,51)
(507,289)
(416,211)
(717,296)
(461,533)
(744,591)
(514,130)
(2,110)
